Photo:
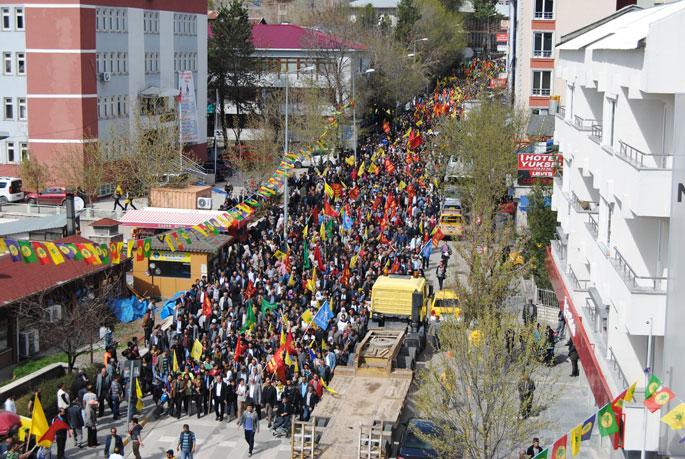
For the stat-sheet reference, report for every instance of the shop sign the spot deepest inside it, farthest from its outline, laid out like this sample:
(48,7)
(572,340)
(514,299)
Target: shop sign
(177,257)
(539,164)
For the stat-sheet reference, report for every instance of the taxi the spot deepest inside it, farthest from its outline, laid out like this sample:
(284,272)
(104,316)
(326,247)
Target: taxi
(452,223)
(445,303)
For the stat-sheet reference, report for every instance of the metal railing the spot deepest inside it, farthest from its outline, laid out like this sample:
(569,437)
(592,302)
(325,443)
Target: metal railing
(642,159)
(597,131)
(634,282)
(622,380)
(561,112)
(542,53)
(541,92)
(584,124)
(583,207)
(559,250)
(41,209)
(544,15)
(579,285)
(593,226)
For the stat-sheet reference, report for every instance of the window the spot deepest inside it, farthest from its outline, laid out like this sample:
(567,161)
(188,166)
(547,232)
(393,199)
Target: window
(97,63)
(120,64)
(7,63)
(542,44)
(105,108)
(613,121)
(19,18)
(544,9)
(171,269)
(9,109)
(24,150)
(125,63)
(21,64)
(542,82)
(98,19)
(21,108)
(10,152)
(6,19)
(99,108)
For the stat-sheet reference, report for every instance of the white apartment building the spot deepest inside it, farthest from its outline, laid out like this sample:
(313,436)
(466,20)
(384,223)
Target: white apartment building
(74,72)
(615,265)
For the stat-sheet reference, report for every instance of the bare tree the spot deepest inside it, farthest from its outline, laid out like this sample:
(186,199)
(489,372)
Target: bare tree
(82,316)
(34,174)
(85,166)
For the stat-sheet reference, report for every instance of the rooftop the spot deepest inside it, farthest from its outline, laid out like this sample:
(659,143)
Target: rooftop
(160,217)
(211,244)
(20,280)
(105,222)
(375,3)
(291,36)
(33,224)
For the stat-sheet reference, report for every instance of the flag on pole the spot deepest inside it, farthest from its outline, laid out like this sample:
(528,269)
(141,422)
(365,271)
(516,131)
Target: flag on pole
(325,386)
(39,424)
(239,349)
(196,351)
(139,396)
(268,306)
(653,384)
(576,439)
(56,426)
(659,399)
(607,421)
(174,363)
(323,316)
(542,454)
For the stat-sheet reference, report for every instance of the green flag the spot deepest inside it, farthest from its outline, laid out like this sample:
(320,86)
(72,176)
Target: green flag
(653,385)
(542,454)
(606,421)
(305,255)
(27,252)
(250,319)
(266,306)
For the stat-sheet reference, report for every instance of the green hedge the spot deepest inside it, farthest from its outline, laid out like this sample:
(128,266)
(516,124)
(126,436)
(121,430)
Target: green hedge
(29,366)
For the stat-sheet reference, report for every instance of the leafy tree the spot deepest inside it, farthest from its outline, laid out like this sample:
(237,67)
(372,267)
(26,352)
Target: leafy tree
(452,5)
(86,166)
(231,68)
(407,15)
(444,30)
(34,174)
(367,17)
(542,222)
(485,9)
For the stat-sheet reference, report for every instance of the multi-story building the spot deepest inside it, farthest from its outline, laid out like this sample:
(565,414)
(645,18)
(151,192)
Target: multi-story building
(537,26)
(74,72)
(617,262)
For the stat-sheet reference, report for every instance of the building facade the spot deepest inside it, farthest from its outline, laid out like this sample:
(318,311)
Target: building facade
(614,263)
(74,72)
(538,27)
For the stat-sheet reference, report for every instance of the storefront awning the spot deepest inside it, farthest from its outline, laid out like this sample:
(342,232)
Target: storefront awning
(162,218)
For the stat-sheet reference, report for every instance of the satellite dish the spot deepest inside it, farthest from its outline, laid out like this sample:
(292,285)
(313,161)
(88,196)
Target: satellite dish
(78,203)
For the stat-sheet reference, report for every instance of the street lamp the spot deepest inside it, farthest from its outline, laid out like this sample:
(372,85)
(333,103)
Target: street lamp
(354,111)
(414,42)
(285,152)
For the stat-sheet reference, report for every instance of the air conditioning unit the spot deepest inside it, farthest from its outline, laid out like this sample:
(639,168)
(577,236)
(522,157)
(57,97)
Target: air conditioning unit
(28,343)
(54,312)
(204,203)
(105,76)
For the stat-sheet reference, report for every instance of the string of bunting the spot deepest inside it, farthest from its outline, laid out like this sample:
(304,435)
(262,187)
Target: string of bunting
(611,422)
(56,253)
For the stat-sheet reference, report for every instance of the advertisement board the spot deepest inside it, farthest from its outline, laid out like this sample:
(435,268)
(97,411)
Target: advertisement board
(502,37)
(177,257)
(539,164)
(189,123)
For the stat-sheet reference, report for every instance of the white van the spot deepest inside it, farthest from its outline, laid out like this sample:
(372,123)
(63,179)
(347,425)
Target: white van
(10,190)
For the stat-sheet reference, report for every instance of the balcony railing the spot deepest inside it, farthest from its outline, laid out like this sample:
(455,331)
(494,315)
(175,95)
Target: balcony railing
(644,160)
(583,207)
(584,124)
(541,92)
(596,132)
(593,225)
(637,284)
(541,53)
(579,285)
(620,377)
(544,15)
(559,250)
(561,112)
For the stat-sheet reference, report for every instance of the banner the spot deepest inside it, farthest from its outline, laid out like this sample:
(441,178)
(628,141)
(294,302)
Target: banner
(188,123)
(539,164)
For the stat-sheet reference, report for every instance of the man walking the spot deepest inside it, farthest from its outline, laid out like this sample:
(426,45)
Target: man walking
(440,274)
(76,422)
(219,392)
(102,383)
(134,432)
(250,422)
(526,389)
(113,442)
(61,435)
(115,392)
(186,443)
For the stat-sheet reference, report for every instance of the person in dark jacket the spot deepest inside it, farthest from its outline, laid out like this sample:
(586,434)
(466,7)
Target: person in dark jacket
(112,441)
(309,401)
(269,399)
(61,435)
(573,356)
(76,422)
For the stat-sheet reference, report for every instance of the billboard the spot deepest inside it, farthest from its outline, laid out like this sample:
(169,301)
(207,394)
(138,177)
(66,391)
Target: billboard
(537,167)
(502,37)
(189,123)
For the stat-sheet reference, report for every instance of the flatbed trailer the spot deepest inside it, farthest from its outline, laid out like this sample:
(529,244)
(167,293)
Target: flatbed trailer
(370,394)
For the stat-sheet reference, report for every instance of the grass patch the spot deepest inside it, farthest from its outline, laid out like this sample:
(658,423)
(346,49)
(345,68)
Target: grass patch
(29,366)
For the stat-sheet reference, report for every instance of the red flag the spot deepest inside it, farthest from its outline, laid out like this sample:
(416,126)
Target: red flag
(56,426)
(345,279)
(559,448)
(617,408)
(318,258)
(315,216)
(328,210)
(395,266)
(239,349)
(354,193)
(415,140)
(437,236)
(384,240)
(337,190)
(276,365)
(250,290)
(206,306)
(289,346)
(659,399)
(389,166)
(386,126)
(376,203)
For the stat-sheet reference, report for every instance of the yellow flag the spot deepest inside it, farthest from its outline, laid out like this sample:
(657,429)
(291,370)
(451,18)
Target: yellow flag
(322,232)
(353,261)
(167,239)
(328,190)
(3,246)
(174,364)
(402,185)
(305,231)
(307,316)
(324,347)
(196,351)
(576,438)
(350,160)
(282,336)
(55,253)
(630,393)
(279,255)
(325,386)
(373,168)
(288,360)
(139,396)
(675,418)
(311,283)
(360,172)
(129,248)
(330,305)
(39,424)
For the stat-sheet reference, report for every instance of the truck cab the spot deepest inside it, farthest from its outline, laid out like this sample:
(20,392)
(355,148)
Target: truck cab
(393,297)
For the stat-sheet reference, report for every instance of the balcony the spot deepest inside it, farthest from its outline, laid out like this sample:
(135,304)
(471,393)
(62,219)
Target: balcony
(635,283)
(592,226)
(596,135)
(583,207)
(561,112)
(584,124)
(579,285)
(642,160)
(559,254)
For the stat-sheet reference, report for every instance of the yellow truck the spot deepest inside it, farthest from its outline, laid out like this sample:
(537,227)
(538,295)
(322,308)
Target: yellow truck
(452,223)
(393,297)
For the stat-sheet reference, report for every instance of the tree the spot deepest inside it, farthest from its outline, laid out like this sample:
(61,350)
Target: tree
(542,222)
(471,390)
(407,15)
(445,33)
(367,17)
(452,5)
(231,67)
(84,309)
(85,166)
(485,10)
(34,174)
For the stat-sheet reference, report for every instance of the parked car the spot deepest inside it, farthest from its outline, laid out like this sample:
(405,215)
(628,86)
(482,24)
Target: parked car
(55,196)
(10,190)
(414,447)
(223,167)
(317,159)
